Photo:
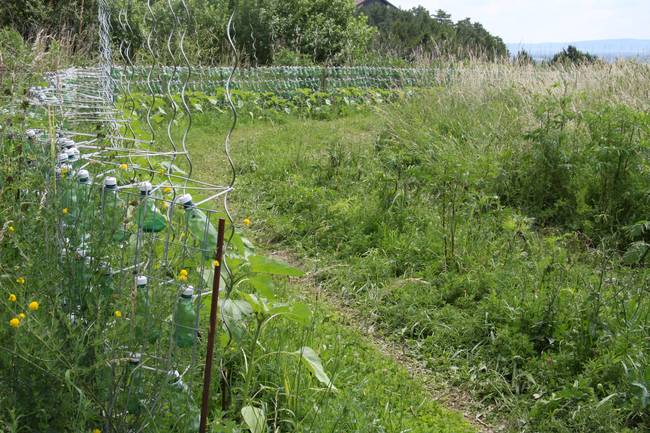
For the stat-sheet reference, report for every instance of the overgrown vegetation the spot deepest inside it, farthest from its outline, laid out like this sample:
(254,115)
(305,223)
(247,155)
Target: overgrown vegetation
(84,347)
(497,226)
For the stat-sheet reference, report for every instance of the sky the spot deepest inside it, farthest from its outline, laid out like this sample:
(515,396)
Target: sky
(532,21)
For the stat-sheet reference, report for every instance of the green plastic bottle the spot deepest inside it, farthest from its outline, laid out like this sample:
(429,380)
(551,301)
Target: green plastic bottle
(148,217)
(185,319)
(77,197)
(113,210)
(106,283)
(65,185)
(145,328)
(74,157)
(200,227)
(181,404)
(104,382)
(82,193)
(134,384)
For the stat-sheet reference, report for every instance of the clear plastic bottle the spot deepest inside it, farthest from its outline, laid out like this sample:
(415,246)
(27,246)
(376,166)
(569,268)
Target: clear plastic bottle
(113,211)
(200,227)
(148,217)
(185,319)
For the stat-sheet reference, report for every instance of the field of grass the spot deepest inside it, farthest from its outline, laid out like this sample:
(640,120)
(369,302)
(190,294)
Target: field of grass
(497,227)
(495,230)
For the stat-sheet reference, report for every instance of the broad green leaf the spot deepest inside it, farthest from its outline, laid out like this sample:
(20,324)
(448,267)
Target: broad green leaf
(254,418)
(297,312)
(313,362)
(258,305)
(635,253)
(638,229)
(264,285)
(234,314)
(267,265)
(208,275)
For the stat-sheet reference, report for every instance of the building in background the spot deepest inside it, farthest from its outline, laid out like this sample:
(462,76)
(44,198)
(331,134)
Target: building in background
(366,3)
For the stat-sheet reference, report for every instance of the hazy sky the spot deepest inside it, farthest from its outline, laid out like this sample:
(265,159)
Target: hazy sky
(549,20)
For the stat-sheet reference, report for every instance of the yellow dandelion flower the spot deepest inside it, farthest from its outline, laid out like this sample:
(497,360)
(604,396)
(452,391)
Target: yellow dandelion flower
(247,222)
(15,322)
(33,306)
(64,170)
(97,431)
(65,211)
(118,314)
(182,278)
(22,316)
(167,190)
(20,280)
(11,229)
(12,298)
(124,166)
(183,273)
(215,263)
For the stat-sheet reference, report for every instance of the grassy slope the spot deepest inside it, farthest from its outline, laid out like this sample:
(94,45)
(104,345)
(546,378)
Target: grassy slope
(378,393)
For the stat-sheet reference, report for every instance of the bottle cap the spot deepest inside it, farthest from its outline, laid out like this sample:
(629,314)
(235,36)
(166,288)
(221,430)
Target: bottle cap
(72,156)
(63,157)
(145,187)
(69,143)
(141,280)
(110,182)
(175,380)
(105,269)
(83,176)
(135,358)
(188,292)
(185,200)
(31,133)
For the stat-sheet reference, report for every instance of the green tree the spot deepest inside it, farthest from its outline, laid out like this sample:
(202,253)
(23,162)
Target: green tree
(524,58)
(573,55)
(409,32)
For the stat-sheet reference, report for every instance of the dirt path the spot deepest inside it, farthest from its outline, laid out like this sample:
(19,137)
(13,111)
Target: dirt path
(448,396)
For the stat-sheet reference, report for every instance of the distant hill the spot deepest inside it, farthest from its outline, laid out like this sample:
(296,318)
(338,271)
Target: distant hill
(609,49)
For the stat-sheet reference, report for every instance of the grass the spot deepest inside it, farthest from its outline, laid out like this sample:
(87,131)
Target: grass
(482,225)
(376,394)
(497,228)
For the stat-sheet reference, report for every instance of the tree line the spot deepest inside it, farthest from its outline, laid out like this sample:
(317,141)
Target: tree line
(264,31)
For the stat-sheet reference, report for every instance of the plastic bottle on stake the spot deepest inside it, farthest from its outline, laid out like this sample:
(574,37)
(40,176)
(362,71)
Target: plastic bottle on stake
(74,157)
(181,403)
(83,209)
(113,210)
(145,329)
(199,226)
(134,384)
(185,319)
(148,216)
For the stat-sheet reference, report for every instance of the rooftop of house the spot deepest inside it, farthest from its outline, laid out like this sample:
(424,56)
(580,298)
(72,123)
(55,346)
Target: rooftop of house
(361,3)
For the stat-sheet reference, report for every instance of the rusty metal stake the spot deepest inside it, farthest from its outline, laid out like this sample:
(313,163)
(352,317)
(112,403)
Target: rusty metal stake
(207,374)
